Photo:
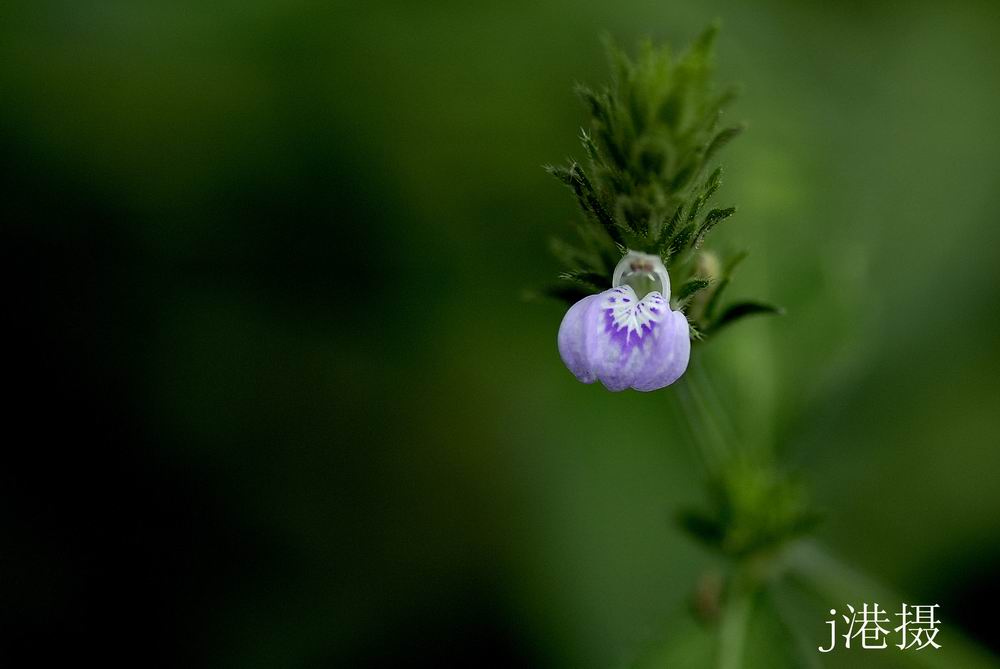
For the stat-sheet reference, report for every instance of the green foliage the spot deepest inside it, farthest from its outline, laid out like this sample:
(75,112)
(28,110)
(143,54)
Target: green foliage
(651,137)
(692,286)
(752,510)
(739,310)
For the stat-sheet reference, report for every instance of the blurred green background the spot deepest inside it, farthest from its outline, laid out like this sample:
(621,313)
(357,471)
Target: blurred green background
(267,262)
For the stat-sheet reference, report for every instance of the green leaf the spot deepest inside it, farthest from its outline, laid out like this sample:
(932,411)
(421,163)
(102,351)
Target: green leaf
(706,529)
(587,197)
(593,280)
(589,146)
(694,333)
(735,261)
(690,287)
(695,208)
(720,140)
(680,241)
(668,232)
(712,219)
(711,184)
(704,46)
(712,111)
(686,173)
(727,274)
(740,310)
(570,293)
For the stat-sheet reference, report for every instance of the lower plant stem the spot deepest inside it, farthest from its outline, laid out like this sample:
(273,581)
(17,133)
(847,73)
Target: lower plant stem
(717,443)
(733,629)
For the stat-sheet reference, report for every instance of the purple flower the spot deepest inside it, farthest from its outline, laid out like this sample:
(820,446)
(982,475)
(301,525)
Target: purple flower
(627,339)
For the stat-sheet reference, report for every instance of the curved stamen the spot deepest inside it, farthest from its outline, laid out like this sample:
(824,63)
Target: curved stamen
(644,272)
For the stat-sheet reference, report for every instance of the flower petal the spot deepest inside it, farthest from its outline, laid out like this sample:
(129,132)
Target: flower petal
(669,357)
(618,335)
(631,343)
(572,339)
(625,342)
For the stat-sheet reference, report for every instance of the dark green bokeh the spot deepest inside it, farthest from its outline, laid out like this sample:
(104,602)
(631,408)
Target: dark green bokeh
(310,226)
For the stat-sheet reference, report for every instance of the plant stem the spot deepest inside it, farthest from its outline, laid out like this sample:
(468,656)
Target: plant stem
(714,434)
(712,445)
(733,628)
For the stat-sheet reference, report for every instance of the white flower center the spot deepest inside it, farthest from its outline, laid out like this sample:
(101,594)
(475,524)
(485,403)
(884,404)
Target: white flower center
(644,272)
(625,312)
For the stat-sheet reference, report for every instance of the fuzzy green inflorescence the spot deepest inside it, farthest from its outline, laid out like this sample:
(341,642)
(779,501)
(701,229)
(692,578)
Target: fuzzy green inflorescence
(653,135)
